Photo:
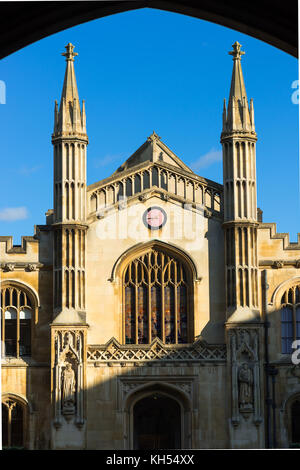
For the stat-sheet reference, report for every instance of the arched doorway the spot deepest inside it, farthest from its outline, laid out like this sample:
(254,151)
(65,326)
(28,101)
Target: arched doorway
(156,423)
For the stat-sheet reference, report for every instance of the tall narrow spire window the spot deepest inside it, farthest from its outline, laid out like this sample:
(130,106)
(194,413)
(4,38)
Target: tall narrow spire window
(156,289)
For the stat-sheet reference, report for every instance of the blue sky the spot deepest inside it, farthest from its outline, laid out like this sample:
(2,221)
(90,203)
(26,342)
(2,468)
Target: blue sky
(141,71)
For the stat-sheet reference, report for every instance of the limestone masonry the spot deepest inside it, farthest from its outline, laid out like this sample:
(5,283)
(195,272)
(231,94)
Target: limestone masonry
(154,309)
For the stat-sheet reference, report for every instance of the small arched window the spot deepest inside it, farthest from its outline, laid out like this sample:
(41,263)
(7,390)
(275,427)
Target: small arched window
(13,424)
(157,289)
(290,318)
(16,312)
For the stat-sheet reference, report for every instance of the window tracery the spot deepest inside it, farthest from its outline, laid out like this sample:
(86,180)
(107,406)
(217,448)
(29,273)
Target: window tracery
(16,312)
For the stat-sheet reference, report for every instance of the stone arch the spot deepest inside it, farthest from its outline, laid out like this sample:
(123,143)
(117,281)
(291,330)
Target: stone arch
(140,248)
(19,398)
(236,16)
(22,285)
(286,416)
(281,288)
(167,390)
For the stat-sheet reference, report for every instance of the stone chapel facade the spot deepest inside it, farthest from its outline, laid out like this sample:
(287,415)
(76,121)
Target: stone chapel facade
(154,309)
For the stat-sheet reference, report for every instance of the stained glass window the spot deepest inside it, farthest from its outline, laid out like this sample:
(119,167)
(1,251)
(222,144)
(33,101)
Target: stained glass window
(156,293)
(290,318)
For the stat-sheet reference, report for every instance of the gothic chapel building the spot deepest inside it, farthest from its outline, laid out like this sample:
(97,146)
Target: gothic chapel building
(154,309)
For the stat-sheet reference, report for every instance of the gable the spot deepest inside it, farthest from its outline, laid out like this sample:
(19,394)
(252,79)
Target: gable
(153,150)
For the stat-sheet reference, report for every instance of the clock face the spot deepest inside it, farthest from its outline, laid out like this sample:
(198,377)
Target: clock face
(154,218)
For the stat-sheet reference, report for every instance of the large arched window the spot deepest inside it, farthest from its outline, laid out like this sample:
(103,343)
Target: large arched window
(157,293)
(290,318)
(16,312)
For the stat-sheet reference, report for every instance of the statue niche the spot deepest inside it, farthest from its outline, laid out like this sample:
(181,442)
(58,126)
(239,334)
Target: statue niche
(245,374)
(68,370)
(68,381)
(245,381)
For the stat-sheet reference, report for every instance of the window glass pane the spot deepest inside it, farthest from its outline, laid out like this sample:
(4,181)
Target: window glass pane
(298,322)
(10,337)
(129,315)
(11,314)
(155,312)
(25,314)
(17,426)
(169,314)
(4,426)
(142,315)
(286,314)
(7,297)
(15,298)
(182,314)
(25,337)
(286,330)
(287,345)
(22,299)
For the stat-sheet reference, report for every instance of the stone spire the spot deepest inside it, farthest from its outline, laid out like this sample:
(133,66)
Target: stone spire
(69,91)
(238,140)
(69,141)
(238,114)
(237,88)
(69,117)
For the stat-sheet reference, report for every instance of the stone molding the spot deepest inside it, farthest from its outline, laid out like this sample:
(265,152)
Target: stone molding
(278,264)
(19,266)
(128,385)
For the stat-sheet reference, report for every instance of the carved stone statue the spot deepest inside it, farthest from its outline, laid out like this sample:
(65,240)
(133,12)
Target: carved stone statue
(245,379)
(69,388)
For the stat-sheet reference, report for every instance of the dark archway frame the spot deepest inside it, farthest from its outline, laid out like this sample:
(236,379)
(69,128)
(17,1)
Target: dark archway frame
(274,22)
(168,390)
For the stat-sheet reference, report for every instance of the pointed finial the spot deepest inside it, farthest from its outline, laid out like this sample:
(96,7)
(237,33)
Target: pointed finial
(153,137)
(70,54)
(236,53)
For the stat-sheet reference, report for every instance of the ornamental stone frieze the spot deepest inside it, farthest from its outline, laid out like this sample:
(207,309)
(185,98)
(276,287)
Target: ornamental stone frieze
(113,353)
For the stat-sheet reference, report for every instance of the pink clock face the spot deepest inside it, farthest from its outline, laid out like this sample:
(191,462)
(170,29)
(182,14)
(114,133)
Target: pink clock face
(155,217)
